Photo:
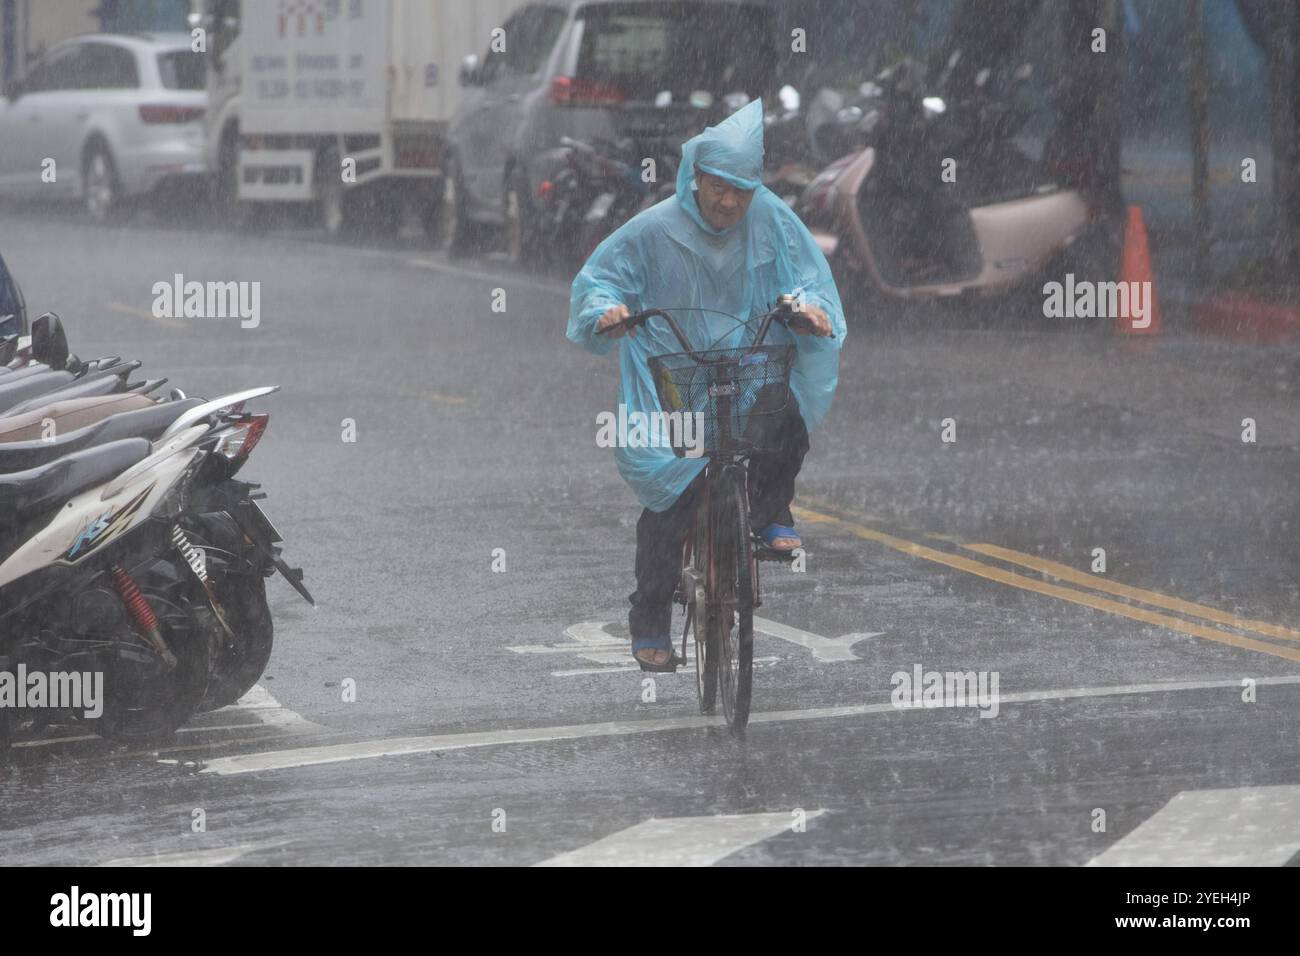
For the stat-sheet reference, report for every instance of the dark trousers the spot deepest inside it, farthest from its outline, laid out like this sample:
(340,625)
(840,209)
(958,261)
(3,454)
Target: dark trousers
(660,535)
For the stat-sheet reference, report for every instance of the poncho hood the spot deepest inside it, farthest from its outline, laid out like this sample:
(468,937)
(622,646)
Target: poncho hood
(733,150)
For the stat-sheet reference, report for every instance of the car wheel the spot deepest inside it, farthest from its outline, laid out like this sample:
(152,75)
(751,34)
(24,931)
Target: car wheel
(461,235)
(101,187)
(434,210)
(522,244)
(237,214)
(376,210)
(334,200)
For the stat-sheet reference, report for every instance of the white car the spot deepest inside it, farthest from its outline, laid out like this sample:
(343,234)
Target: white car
(117,114)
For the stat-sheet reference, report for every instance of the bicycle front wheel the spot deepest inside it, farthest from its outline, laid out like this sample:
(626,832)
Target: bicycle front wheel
(701,614)
(733,589)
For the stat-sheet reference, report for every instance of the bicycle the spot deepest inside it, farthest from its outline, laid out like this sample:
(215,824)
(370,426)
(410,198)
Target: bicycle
(737,391)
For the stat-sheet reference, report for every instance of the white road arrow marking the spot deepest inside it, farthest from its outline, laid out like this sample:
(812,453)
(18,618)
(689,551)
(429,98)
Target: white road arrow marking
(590,641)
(688,668)
(826,649)
(591,632)
(260,703)
(1245,826)
(587,635)
(680,841)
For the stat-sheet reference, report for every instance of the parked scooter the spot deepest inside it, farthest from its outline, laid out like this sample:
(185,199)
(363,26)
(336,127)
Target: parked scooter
(127,547)
(589,188)
(787,169)
(889,219)
(597,186)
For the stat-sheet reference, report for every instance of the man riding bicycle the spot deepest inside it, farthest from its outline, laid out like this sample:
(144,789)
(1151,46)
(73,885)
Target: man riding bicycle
(723,246)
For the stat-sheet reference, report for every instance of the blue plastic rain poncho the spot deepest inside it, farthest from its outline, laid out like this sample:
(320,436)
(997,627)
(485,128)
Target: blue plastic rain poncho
(669,257)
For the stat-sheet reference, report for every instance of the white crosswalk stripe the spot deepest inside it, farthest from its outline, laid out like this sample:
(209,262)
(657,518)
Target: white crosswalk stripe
(682,841)
(1245,826)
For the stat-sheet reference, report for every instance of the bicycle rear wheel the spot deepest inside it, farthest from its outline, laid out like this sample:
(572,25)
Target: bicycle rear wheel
(732,585)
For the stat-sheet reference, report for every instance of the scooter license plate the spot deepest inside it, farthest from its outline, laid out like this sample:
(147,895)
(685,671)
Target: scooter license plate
(261,529)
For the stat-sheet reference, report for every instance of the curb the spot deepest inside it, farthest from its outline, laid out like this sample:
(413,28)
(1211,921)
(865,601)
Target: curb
(1242,316)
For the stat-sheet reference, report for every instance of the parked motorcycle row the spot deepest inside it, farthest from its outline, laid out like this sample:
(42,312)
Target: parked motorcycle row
(864,170)
(130,548)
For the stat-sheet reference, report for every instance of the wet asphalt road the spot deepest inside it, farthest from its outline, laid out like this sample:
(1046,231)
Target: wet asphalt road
(475,431)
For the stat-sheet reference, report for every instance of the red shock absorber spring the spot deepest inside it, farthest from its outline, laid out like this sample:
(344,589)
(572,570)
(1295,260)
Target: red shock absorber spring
(142,615)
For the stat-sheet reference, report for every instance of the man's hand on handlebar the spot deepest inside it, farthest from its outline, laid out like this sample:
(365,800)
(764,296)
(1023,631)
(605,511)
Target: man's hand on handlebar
(614,315)
(814,322)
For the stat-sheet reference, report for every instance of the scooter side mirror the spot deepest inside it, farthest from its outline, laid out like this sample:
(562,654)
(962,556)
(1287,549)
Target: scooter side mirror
(49,341)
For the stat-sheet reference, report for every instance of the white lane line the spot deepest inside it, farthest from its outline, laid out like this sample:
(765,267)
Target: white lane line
(402,746)
(1245,826)
(214,857)
(680,841)
(826,649)
(56,740)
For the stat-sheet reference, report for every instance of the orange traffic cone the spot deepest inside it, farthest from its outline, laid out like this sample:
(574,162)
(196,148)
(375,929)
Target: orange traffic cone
(1135,276)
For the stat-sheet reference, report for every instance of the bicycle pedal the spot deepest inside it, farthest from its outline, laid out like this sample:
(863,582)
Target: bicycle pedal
(763,553)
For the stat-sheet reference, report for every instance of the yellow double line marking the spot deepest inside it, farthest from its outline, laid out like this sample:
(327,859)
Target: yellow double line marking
(142,314)
(1096,601)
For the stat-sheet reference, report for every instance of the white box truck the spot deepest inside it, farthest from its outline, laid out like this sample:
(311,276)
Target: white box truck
(342,104)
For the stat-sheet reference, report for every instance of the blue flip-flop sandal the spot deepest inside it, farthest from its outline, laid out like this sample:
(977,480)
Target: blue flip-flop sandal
(646,644)
(774,531)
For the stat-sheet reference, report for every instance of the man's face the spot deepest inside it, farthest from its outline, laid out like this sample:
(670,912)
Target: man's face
(721,204)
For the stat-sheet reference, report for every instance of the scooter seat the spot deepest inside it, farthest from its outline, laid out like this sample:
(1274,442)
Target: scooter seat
(147,423)
(30,386)
(68,415)
(24,494)
(86,387)
(22,372)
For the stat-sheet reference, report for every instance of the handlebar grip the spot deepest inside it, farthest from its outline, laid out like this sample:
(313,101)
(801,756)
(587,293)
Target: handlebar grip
(636,318)
(792,317)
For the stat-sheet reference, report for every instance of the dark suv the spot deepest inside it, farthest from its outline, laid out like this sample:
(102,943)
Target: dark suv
(653,70)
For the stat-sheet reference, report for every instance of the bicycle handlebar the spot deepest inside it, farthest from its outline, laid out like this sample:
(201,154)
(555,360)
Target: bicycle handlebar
(785,313)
